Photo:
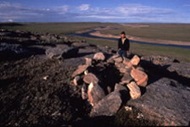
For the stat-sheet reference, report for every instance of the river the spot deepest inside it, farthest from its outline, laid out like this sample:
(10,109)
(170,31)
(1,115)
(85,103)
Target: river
(87,34)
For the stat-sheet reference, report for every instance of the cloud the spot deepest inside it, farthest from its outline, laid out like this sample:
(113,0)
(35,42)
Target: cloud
(84,7)
(84,12)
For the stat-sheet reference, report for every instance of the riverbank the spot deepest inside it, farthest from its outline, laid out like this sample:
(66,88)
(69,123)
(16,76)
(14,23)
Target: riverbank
(139,39)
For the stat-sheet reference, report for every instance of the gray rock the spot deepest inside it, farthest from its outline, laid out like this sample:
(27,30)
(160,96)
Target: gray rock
(108,106)
(61,51)
(165,101)
(126,78)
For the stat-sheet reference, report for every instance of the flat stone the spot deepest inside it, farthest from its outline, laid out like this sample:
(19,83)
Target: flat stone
(90,78)
(79,70)
(135,60)
(128,64)
(99,56)
(126,78)
(108,106)
(95,93)
(134,90)
(121,67)
(118,59)
(140,77)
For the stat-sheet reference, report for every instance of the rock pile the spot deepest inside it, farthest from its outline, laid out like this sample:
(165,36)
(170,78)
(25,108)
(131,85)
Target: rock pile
(108,82)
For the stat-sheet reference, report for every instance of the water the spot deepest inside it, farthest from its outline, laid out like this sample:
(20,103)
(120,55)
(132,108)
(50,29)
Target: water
(87,34)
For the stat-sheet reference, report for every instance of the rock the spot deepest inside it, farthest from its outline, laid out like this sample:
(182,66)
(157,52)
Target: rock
(99,56)
(140,77)
(79,70)
(121,67)
(76,80)
(88,61)
(134,90)
(118,59)
(95,93)
(108,106)
(128,64)
(165,101)
(119,87)
(90,78)
(61,51)
(126,78)
(135,60)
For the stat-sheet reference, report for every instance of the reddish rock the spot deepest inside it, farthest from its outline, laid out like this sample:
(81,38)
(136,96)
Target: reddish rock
(118,59)
(134,90)
(99,56)
(128,64)
(121,67)
(90,78)
(140,77)
(95,93)
(135,60)
(76,80)
(79,70)
(88,61)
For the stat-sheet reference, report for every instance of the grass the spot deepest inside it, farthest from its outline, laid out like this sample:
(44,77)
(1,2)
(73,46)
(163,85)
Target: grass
(174,32)
(54,28)
(156,31)
(144,49)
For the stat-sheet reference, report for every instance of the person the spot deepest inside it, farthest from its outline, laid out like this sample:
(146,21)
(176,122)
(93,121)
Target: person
(123,45)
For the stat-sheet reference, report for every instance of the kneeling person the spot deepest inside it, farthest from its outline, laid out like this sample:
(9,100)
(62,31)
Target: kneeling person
(123,45)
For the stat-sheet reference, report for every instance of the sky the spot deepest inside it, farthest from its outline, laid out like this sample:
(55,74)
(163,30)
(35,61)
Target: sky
(121,11)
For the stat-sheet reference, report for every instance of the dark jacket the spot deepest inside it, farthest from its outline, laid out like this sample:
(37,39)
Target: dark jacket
(123,46)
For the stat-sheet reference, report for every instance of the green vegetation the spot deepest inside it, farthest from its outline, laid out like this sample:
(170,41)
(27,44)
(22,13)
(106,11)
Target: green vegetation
(156,31)
(56,28)
(174,32)
(144,49)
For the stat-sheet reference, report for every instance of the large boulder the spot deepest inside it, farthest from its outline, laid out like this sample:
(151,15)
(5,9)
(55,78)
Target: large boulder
(108,106)
(165,101)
